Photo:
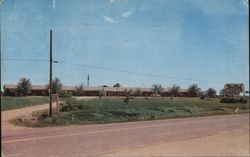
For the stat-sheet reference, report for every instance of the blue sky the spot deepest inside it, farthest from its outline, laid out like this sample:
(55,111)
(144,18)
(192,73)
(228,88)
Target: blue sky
(202,40)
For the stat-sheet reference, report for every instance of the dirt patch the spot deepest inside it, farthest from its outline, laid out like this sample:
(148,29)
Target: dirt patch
(9,115)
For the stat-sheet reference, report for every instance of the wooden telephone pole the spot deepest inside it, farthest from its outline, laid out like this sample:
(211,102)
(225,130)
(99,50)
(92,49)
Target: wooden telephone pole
(50,76)
(88,80)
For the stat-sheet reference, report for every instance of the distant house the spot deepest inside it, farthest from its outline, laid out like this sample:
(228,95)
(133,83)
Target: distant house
(91,91)
(11,90)
(183,93)
(39,90)
(42,90)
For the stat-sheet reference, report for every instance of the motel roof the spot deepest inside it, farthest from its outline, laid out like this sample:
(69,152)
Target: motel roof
(33,87)
(111,89)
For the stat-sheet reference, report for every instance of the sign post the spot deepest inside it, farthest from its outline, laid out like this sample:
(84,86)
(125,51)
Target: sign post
(56,99)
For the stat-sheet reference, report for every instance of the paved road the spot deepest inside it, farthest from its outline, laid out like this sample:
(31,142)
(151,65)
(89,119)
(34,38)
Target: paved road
(213,136)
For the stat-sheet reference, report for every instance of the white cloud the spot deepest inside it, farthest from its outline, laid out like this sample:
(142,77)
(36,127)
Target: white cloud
(127,14)
(113,1)
(246,3)
(109,19)
(53,3)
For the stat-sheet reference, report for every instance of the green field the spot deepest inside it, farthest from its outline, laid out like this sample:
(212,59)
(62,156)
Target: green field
(8,103)
(107,110)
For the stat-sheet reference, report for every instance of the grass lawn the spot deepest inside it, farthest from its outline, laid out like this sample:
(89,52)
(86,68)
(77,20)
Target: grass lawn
(8,103)
(107,110)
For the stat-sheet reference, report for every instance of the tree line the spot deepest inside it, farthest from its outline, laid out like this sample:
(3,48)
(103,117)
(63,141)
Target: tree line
(24,88)
(193,91)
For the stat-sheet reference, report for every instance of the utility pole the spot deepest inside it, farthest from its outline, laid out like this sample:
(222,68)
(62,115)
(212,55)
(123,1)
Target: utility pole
(50,76)
(88,80)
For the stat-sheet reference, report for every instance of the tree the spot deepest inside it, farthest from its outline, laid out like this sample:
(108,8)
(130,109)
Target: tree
(101,93)
(117,85)
(175,90)
(56,85)
(64,94)
(24,86)
(127,94)
(194,90)
(79,89)
(157,88)
(211,92)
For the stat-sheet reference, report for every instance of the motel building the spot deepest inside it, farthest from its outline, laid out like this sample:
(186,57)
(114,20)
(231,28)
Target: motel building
(42,90)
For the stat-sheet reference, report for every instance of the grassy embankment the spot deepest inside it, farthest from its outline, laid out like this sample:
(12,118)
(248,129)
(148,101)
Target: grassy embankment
(107,110)
(8,103)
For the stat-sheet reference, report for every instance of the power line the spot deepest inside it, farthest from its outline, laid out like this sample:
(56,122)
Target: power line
(136,73)
(22,59)
(115,70)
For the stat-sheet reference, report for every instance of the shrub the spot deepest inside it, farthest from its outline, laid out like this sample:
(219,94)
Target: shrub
(229,100)
(202,97)
(43,116)
(71,101)
(54,120)
(65,94)
(101,93)
(81,106)
(68,107)
(10,92)
(126,100)
(72,105)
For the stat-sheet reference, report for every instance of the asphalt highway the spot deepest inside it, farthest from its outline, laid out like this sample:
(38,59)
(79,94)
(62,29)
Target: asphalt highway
(201,136)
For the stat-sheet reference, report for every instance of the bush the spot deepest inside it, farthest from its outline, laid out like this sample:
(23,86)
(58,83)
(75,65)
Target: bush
(54,120)
(43,116)
(71,101)
(82,106)
(67,108)
(10,92)
(72,105)
(101,93)
(202,97)
(65,94)
(230,100)
(126,101)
